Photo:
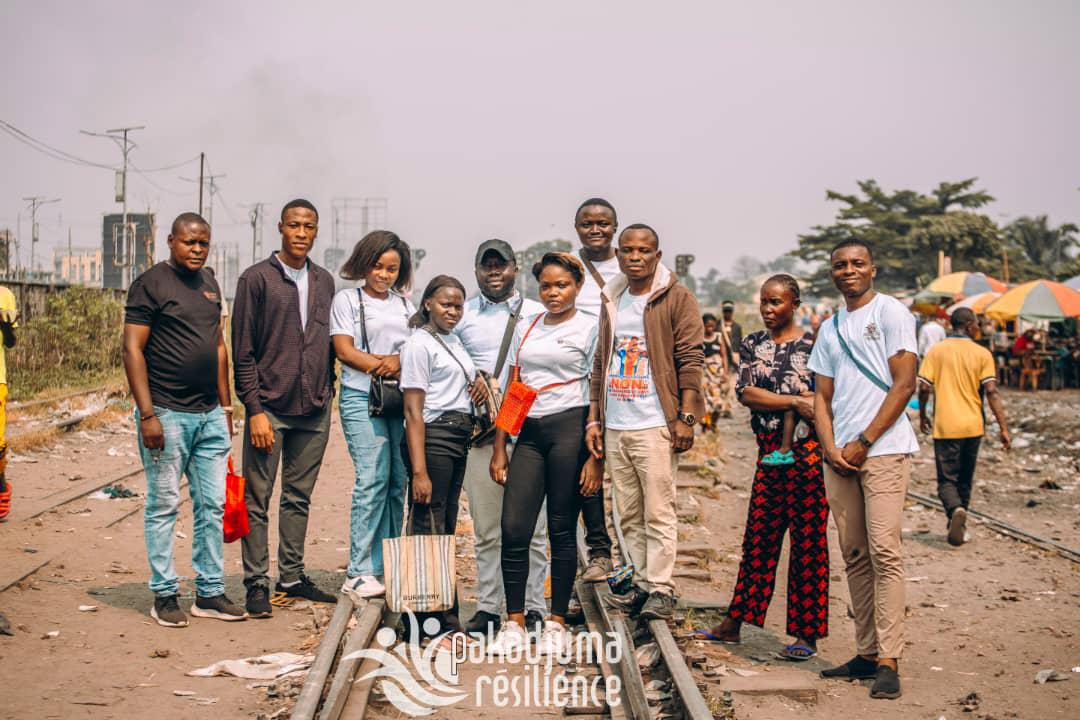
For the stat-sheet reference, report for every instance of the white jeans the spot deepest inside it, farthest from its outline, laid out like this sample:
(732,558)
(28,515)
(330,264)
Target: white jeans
(485,508)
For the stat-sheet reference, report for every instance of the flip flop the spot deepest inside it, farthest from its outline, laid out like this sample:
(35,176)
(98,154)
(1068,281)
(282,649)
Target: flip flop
(706,636)
(789,652)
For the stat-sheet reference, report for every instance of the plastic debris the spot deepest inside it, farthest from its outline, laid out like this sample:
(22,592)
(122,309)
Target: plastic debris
(1049,675)
(647,655)
(264,667)
(51,635)
(183,693)
(88,608)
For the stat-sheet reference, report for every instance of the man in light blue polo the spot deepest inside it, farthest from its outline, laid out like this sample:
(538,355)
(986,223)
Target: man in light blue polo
(485,331)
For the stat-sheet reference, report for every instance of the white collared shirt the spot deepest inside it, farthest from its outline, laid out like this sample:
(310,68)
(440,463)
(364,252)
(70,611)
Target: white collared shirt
(483,324)
(300,279)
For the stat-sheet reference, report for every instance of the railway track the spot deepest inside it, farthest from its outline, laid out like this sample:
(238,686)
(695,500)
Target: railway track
(1006,529)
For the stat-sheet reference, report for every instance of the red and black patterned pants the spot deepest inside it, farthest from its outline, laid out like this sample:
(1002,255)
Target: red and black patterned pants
(788,497)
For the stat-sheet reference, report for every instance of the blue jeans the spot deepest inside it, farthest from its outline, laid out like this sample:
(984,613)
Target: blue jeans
(378,498)
(196,445)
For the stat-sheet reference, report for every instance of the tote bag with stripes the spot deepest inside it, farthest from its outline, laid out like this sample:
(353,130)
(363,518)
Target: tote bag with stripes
(420,572)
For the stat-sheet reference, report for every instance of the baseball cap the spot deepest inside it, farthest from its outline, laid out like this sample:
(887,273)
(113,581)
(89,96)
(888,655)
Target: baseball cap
(499,247)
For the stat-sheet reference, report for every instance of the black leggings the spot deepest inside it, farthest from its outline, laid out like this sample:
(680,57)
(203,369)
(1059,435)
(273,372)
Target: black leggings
(547,461)
(446,450)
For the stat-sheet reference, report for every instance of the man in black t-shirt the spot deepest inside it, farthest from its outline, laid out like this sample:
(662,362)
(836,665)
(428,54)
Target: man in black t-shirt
(178,369)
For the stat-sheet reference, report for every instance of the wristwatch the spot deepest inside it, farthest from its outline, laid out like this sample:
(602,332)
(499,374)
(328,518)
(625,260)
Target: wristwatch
(866,442)
(688,418)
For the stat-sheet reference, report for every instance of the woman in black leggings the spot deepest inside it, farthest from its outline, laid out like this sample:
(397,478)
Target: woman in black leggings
(552,354)
(437,382)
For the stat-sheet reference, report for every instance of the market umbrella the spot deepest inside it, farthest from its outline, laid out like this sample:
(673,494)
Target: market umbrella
(976,303)
(1036,300)
(952,287)
(1073,282)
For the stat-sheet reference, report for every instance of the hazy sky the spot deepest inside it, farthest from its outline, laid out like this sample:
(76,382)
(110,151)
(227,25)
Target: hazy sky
(721,124)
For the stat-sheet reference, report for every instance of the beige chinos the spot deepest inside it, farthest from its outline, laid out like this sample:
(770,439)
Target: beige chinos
(868,508)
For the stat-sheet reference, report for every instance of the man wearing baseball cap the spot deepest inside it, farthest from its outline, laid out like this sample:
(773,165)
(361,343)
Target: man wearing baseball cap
(485,330)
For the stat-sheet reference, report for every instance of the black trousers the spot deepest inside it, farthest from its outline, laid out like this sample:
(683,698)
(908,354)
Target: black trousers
(446,449)
(955,459)
(547,462)
(596,534)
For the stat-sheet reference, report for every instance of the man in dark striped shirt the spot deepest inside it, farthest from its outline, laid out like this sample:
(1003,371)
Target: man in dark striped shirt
(284,373)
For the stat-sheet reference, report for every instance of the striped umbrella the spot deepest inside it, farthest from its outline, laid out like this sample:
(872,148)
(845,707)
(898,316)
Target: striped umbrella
(955,286)
(1036,300)
(976,303)
(1073,282)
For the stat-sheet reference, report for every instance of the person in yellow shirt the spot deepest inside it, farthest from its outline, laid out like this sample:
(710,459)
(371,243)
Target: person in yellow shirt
(959,372)
(9,320)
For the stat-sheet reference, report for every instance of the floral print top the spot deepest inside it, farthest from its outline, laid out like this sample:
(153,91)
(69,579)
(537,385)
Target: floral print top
(777,368)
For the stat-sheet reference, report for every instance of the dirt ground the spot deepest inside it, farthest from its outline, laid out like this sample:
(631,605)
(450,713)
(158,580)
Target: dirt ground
(983,618)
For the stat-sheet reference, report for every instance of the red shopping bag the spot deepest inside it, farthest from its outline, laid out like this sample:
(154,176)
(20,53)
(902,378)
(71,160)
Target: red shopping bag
(236,515)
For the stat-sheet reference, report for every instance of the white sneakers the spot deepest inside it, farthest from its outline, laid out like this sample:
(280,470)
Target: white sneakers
(510,640)
(554,639)
(364,586)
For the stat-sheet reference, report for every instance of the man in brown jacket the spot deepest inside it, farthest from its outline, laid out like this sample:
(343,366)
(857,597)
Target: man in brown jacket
(645,400)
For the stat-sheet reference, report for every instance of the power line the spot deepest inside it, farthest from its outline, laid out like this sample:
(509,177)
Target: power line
(46,149)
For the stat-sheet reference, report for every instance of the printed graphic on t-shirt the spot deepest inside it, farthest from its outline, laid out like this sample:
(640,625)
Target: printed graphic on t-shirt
(628,380)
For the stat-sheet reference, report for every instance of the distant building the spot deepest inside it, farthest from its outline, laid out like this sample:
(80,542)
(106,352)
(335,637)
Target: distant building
(121,264)
(79,266)
(224,260)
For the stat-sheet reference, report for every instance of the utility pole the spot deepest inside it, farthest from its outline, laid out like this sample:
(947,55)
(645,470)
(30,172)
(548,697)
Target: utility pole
(206,179)
(35,202)
(127,259)
(202,165)
(256,216)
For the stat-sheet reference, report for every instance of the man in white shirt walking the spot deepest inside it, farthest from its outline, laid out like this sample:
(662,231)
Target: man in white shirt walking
(930,334)
(486,329)
(865,360)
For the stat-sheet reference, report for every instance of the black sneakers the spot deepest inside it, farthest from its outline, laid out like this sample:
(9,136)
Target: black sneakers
(483,623)
(857,668)
(534,622)
(167,611)
(305,588)
(630,602)
(258,602)
(658,606)
(218,607)
(886,685)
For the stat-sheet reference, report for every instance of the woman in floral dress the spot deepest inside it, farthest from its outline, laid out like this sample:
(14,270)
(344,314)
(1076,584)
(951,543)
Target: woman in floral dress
(773,378)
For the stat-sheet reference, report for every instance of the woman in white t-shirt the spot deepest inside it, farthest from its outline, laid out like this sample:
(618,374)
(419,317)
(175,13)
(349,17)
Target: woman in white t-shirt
(552,354)
(437,377)
(368,326)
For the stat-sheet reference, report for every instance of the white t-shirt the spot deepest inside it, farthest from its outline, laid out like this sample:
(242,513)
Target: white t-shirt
(425,365)
(555,354)
(930,334)
(300,279)
(482,326)
(630,393)
(875,333)
(387,328)
(589,297)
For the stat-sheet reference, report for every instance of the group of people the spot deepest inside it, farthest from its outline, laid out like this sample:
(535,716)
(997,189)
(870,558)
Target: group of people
(622,368)
(613,349)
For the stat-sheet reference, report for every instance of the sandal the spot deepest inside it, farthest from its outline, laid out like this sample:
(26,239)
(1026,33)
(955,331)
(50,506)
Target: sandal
(707,636)
(778,458)
(797,652)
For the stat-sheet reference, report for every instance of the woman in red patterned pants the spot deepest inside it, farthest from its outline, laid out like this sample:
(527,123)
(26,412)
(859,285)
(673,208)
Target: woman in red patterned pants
(774,379)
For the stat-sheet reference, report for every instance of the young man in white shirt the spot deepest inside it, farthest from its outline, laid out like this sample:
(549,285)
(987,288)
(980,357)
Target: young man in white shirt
(865,360)
(930,334)
(486,328)
(645,399)
(595,223)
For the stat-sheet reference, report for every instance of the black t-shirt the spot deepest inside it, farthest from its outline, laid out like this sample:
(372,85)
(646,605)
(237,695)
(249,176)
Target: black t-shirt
(183,311)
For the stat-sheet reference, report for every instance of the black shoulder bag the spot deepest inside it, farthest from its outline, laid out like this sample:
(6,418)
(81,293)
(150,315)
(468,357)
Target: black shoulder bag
(384,398)
(485,415)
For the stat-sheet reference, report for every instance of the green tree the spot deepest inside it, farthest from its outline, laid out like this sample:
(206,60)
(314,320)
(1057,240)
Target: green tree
(1038,250)
(906,229)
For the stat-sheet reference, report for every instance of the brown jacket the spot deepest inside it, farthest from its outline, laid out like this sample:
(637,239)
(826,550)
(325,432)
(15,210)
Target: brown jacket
(674,335)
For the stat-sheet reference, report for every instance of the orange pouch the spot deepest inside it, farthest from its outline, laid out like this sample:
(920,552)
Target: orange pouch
(517,401)
(235,520)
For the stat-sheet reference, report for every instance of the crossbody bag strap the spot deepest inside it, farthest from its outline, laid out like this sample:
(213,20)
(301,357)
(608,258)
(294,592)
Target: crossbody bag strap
(508,336)
(592,270)
(468,380)
(552,385)
(867,372)
(363,322)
